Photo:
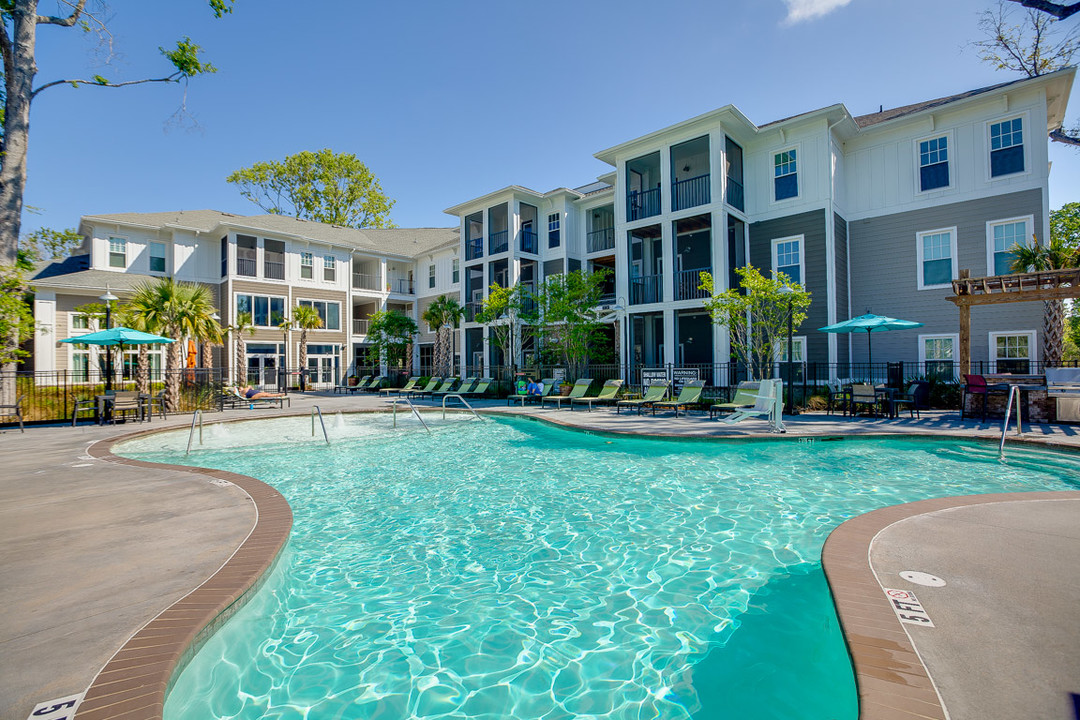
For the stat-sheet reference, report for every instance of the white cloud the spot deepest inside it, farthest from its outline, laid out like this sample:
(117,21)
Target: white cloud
(799,10)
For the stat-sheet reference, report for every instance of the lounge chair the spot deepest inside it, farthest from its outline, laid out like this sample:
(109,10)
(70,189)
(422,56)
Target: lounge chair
(548,384)
(767,404)
(351,388)
(464,387)
(479,390)
(578,391)
(689,395)
(744,398)
(432,385)
(374,385)
(654,393)
(445,389)
(232,398)
(408,387)
(14,411)
(607,395)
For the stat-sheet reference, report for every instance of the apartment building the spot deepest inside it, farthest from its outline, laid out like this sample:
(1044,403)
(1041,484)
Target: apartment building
(262,265)
(871,213)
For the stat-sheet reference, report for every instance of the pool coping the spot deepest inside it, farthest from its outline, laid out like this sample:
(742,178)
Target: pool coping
(892,681)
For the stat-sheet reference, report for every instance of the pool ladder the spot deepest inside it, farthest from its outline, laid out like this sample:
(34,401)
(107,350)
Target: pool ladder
(463,402)
(407,401)
(314,410)
(197,415)
(1014,393)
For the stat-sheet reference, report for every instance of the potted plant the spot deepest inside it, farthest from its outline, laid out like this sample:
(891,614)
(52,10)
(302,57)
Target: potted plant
(352,380)
(565,388)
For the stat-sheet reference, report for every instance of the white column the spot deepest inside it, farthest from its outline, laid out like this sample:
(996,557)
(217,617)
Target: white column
(45,338)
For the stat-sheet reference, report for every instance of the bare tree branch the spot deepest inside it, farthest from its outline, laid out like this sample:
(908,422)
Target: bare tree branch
(1065,138)
(1058,10)
(68,21)
(175,77)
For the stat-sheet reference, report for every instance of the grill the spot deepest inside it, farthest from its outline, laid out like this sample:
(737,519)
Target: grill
(1063,384)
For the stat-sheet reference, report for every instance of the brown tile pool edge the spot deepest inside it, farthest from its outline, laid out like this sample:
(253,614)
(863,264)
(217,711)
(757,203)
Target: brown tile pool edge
(135,681)
(893,683)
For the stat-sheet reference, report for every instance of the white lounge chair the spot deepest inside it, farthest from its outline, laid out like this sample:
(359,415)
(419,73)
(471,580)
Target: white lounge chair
(768,403)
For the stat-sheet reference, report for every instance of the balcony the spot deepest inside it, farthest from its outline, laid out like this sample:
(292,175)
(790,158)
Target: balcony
(646,289)
(273,270)
(642,204)
(360,326)
(246,267)
(528,241)
(687,282)
(474,248)
(362,281)
(690,192)
(471,310)
(498,242)
(402,286)
(735,194)
(602,239)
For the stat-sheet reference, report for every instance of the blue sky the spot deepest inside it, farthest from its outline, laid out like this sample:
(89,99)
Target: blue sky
(446,101)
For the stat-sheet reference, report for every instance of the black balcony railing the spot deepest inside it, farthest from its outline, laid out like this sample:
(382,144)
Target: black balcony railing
(735,194)
(273,270)
(528,241)
(602,239)
(646,289)
(642,204)
(471,310)
(474,248)
(246,267)
(498,242)
(687,284)
(690,192)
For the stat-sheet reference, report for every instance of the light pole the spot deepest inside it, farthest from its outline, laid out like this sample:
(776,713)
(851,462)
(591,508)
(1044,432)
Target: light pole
(108,298)
(790,407)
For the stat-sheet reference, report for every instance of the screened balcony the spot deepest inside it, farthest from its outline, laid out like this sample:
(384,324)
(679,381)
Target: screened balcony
(690,174)
(643,187)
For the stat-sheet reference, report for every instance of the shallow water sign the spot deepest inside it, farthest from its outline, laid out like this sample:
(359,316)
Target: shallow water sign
(907,607)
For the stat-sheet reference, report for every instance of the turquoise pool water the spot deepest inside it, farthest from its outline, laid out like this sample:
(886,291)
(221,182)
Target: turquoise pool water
(512,569)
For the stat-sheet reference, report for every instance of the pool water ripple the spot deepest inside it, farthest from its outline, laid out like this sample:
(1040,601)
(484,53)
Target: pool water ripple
(510,569)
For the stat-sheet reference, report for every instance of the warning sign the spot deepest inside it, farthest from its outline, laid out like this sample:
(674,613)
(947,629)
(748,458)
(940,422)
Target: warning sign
(907,607)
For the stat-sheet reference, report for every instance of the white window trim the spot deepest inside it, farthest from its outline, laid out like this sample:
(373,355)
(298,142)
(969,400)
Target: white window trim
(311,265)
(1033,338)
(938,336)
(919,256)
(1028,219)
(341,318)
(802,255)
(772,172)
(797,341)
(1027,146)
(109,252)
(331,267)
(150,255)
(253,295)
(453,262)
(948,135)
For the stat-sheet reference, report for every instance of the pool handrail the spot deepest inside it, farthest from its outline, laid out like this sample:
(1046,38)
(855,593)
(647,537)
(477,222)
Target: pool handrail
(463,402)
(316,409)
(408,401)
(195,415)
(1014,392)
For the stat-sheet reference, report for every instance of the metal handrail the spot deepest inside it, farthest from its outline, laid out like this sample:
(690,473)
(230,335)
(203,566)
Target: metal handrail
(463,402)
(314,410)
(412,407)
(197,415)
(1014,392)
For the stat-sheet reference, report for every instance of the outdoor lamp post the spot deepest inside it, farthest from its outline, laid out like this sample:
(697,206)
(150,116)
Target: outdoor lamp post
(790,407)
(108,299)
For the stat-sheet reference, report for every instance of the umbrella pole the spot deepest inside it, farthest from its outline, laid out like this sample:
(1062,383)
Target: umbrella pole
(870,356)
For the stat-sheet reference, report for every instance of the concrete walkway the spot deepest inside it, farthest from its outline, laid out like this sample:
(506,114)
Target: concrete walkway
(91,551)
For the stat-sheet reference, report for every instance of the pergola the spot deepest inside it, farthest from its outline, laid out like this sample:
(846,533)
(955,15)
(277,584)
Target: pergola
(1022,287)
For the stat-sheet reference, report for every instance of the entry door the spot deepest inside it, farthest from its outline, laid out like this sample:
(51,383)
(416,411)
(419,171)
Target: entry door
(262,371)
(321,369)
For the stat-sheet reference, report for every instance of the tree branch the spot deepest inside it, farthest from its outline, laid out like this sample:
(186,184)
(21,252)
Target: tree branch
(1051,8)
(68,21)
(1061,136)
(175,77)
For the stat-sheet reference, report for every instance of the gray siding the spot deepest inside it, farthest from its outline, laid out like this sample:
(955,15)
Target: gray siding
(840,236)
(884,277)
(811,226)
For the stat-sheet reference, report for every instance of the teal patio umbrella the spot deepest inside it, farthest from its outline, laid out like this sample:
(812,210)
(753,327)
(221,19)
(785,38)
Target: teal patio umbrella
(870,324)
(117,337)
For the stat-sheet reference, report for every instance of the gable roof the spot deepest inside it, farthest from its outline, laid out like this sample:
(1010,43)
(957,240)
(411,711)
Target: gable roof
(881,116)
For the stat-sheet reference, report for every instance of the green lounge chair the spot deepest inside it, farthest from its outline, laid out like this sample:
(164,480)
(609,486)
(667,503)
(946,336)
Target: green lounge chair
(465,386)
(408,387)
(351,388)
(444,389)
(745,394)
(549,384)
(374,384)
(607,395)
(653,394)
(480,390)
(690,395)
(580,388)
(432,385)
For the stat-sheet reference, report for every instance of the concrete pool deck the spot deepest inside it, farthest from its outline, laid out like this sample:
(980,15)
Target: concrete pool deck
(93,550)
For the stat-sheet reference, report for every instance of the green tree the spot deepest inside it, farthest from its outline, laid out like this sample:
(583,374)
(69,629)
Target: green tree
(502,312)
(16,319)
(568,318)
(305,317)
(444,314)
(756,315)
(49,244)
(325,186)
(391,334)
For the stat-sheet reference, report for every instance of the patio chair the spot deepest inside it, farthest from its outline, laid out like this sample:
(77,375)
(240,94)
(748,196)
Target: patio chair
(14,411)
(745,394)
(578,391)
(654,393)
(839,397)
(156,401)
(689,395)
(79,405)
(479,390)
(607,395)
(914,398)
(976,385)
(432,384)
(548,384)
(863,395)
(446,388)
(397,391)
(765,405)
(127,401)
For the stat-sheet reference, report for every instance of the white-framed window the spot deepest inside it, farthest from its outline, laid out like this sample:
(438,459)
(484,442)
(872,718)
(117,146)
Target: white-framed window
(1007,147)
(307,265)
(938,354)
(79,321)
(554,237)
(329,268)
(1012,352)
(785,175)
(431,275)
(157,257)
(936,254)
(798,349)
(933,163)
(329,312)
(1001,235)
(80,363)
(117,252)
(266,310)
(455,271)
(787,258)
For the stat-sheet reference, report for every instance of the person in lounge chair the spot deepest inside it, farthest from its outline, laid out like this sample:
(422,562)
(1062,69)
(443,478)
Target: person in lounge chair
(251,393)
(534,388)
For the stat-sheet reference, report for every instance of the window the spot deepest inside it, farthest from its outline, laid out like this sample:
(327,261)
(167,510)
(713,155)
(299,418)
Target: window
(80,322)
(798,349)
(247,255)
(157,257)
(455,271)
(1012,352)
(553,230)
(265,311)
(431,275)
(937,258)
(1001,236)
(307,263)
(329,312)
(785,175)
(224,256)
(328,269)
(80,363)
(117,252)
(788,258)
(1006,147)
(933,164)
(937,354)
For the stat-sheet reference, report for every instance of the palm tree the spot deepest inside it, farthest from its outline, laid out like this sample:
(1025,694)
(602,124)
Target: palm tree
(131,316)
(1039,258)
(243,325)
(443,314)
(306,318)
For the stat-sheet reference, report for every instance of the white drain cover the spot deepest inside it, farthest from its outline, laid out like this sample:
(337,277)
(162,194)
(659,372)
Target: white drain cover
(921,578)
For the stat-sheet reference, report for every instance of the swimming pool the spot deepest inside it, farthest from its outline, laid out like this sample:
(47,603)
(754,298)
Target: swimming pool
(513,569)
